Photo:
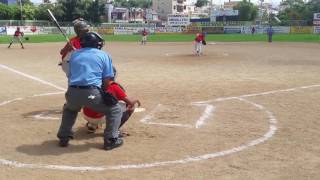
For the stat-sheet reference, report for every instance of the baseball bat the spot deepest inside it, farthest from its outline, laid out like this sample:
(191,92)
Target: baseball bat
(57,24)
(277,19)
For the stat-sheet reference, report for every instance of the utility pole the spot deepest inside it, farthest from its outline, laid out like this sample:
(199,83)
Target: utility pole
(21,13)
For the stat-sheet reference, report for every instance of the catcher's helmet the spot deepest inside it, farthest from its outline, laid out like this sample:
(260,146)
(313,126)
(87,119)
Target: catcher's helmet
(92,39)
(80,26)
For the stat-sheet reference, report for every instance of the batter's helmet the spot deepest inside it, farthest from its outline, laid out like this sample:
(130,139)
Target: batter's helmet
(81,26)
(92,39)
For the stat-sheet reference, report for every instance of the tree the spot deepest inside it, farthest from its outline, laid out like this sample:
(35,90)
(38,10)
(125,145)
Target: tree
(70,9)
(94,11)
(133,3)
(5,12)
(144,3)
(25,2)
(295,11)
(28,12)
(247,11)
(201,3)
(42,13)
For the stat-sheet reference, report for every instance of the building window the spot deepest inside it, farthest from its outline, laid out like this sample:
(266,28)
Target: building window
(184,7)
(174,7)
(180,8)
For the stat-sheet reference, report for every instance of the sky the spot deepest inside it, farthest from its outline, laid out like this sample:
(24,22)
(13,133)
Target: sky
(274,2)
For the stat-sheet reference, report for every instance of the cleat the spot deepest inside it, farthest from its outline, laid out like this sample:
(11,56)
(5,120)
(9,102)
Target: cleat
(112,143)
(64,142)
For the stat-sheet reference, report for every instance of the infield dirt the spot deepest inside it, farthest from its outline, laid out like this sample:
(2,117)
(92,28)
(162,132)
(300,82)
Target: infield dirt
(168,78)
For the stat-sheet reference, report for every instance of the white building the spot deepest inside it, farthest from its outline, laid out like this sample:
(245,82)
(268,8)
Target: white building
(165,7)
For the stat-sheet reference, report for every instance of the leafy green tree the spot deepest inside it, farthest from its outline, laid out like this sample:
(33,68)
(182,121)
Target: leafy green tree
(5,12)
(42,13)
(28,12)
(16,13)
(71,9)
(247,11)
(25,2)
(201,3)
(133,3)
(313,6)
(94,11)
(145,4)
(296,11)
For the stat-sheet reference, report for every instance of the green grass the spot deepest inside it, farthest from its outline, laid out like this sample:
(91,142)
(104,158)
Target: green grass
(180,38)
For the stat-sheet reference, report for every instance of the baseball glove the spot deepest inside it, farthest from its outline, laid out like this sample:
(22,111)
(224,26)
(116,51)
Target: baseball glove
(26,38)
(204,42)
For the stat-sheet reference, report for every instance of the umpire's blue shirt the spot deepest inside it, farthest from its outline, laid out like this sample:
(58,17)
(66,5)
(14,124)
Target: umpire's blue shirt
(88,66)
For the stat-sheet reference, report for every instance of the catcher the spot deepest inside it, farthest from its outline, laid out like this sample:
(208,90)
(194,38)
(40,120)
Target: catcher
(80,26)
(17,37)
(95,119)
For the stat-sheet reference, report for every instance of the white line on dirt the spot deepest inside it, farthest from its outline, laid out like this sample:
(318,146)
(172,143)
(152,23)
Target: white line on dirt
(149,117)
(31,77)
(207,113)
(44,116)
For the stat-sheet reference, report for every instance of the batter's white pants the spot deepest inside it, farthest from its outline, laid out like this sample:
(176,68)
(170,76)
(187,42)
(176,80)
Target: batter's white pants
(198,48)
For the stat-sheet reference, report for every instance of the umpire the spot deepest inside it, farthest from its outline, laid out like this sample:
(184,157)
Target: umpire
(89,69)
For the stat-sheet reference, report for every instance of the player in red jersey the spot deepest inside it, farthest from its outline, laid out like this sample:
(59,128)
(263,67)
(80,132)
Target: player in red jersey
(199,42)
(80,28)
(17,37)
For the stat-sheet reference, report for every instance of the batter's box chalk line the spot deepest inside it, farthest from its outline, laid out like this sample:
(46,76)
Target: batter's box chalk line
(207,113)
(209,109)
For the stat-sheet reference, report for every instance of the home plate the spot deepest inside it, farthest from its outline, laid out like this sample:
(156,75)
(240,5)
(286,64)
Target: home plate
(139,109)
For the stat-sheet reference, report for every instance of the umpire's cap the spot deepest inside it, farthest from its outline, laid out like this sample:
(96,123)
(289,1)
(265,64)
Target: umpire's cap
(92,39)
(81,26)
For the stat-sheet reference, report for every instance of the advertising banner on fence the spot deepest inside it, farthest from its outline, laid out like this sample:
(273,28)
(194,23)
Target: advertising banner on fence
(301,30)
(316,29)
(232,29)
(3,31)
(55,30)
(178,20)
(213,30)
(280,29)
(108,30)
(131,30)
(168,29)
(28,30)
(263,29)
(247,29)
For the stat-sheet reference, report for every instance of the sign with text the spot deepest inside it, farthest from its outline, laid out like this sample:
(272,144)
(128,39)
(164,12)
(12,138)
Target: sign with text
(317,29)
(178,20)
(226,12)
(3,31)
(316,22)
(316,16)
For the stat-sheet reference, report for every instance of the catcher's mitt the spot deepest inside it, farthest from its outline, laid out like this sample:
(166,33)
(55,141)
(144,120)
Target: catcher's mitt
(26,38)
(204,42)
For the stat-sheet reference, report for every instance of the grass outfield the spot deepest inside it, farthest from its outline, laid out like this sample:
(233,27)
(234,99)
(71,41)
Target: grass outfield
(180,38)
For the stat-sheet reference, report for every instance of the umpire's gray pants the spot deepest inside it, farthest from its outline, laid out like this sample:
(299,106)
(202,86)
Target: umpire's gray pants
(76,99)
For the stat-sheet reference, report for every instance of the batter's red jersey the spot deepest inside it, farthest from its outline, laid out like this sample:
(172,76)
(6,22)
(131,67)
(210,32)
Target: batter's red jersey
(144,33)
(115,90)
(75,41)
(199,38)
